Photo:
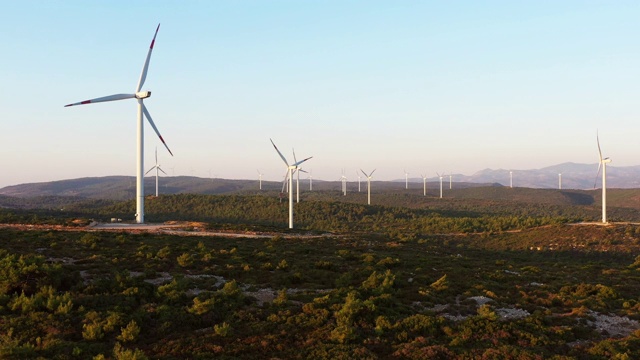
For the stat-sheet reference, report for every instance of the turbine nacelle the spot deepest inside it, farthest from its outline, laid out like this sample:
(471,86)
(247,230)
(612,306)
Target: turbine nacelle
(143,94)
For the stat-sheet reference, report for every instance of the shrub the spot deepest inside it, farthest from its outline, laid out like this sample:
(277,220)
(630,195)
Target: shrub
(130,332)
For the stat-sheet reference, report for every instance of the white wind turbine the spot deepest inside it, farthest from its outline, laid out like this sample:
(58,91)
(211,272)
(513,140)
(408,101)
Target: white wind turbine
(358,175)
(602,164)
(440,176)
(139,96)
(158,168)
(310,180)
(560,181)
(406,179)
(343,178)
(450,181)
(511,179)
(260,178)
(368,185)
(290,169)
(424,185)
(297,171)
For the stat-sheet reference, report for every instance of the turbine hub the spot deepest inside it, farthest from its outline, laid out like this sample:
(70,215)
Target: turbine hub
(143,94)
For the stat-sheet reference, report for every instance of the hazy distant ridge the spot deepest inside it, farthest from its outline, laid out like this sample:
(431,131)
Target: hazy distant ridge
(574,176)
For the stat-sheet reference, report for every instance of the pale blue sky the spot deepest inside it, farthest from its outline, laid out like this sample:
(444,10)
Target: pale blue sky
(424,86)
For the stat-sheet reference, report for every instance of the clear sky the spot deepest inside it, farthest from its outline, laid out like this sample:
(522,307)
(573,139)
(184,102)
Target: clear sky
(426,86)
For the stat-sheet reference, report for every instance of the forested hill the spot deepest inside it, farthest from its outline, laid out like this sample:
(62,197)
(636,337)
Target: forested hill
(124,187)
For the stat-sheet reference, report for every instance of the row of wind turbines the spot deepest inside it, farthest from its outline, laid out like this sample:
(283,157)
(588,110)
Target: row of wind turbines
(142,112)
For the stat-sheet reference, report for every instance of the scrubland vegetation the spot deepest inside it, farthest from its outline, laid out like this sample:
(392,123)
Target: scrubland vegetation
(456,279)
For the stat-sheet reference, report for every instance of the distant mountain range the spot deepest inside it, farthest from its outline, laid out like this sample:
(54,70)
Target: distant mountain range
(574,176)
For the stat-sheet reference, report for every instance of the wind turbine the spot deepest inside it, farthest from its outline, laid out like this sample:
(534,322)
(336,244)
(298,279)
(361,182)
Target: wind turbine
(310,180)
(450,182)
(368,185)
(158,168)
(358,175)
(139,96)
(406,179)
(602,164)
(560,181)
(298,171)
(424,185)
(440,176)
(290,169)
(344,183)
(260,178)
(511,179)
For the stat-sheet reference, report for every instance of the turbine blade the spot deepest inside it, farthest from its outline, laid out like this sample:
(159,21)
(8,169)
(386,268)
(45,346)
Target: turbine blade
(148,116)
(284,183)
(156,155)
(159,168)
(303,171)
(294,156)
(143,75)
(597,174)
(599,151)
(374,170)
(279,153)
(150,170)
(104,98)
(364,173)
(301,161)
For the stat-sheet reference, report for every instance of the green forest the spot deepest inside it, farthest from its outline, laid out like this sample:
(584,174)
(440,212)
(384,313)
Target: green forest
(455,279)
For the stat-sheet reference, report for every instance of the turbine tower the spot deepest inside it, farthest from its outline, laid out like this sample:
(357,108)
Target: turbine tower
(310,180)
(290,169)
(560,181)
(424,185)
(602,164)
(158,168)
(142,110)
(406,179)
(344,183)
(260,179)
(450,181)
(368,185)
(511,179)
(359,177)
(440,176)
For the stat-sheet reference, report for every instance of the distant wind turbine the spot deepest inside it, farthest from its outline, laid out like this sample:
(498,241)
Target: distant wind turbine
(440,176)
(368,185)
(298,171)
(290,169)
(560,181)
(424,185)
(358,175)
(343,178)
(450,182)
(310,180)
(158,168)
(260,179)
(139,96)
(511,179)
(406,179)
(602,164)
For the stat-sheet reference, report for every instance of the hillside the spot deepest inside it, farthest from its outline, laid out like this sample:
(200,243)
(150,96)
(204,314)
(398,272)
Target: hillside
(574,176)
(123,187)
